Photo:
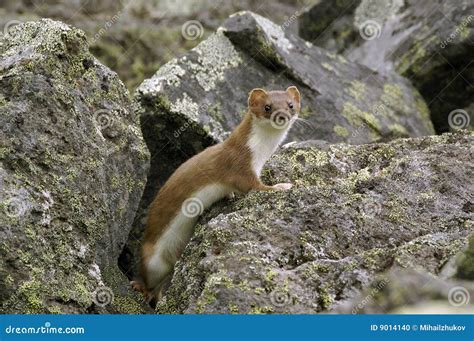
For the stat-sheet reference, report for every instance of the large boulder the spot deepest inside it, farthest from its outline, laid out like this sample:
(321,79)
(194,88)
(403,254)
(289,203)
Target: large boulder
(354,212)
(119,32)
(409,291)
(429,42)
(196,100)
(73,166)
(414,291)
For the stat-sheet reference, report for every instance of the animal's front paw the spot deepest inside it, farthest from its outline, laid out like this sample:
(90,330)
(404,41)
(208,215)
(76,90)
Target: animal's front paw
(283,186)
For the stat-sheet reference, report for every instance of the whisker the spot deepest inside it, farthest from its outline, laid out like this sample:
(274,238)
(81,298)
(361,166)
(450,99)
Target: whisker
(304,126)
(300,124)
(306,123)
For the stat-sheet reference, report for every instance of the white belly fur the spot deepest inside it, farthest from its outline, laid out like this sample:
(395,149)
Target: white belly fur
(179,232)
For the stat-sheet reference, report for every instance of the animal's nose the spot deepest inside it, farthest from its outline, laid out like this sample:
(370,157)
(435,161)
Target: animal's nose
(281,118)
(282,113)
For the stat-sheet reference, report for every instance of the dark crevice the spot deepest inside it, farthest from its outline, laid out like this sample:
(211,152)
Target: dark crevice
(447,88)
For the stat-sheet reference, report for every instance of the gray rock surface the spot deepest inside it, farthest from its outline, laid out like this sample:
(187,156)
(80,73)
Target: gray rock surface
(354,212)
(197,99)
(408,291)
(330,24)
(119,33)
(371,225)
(73,166)
(429,42)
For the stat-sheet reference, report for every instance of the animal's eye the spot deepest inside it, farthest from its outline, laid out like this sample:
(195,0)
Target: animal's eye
(290,105)
(268,108)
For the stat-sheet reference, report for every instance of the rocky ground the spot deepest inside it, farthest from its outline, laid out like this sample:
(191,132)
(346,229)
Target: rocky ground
(354,212)
(382,210)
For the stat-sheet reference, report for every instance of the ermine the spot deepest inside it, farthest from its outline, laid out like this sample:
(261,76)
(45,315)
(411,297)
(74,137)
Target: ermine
(218,171)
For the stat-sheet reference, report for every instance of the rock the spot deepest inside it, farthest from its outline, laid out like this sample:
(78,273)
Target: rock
(196,100)
(119,33)
(407,291)
(465,269)
(73,166)
(354,212)
(330,24)
(431,43)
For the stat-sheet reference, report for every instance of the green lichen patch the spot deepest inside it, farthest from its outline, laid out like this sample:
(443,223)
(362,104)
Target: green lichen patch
(392,95)
(366,210)
(357,90)
(211,66)
(74,168)
(341,131)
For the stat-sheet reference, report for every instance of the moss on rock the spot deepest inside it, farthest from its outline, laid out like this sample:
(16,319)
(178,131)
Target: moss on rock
(367,209)
(72,171)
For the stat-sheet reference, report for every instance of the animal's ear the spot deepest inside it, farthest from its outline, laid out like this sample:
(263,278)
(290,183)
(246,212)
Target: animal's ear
(255,96)
(294,93)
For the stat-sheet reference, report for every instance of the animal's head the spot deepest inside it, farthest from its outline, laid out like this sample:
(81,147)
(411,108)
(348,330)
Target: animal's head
(275,109)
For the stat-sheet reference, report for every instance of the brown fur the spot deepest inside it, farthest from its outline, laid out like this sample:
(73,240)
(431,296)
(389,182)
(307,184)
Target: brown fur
(227,163)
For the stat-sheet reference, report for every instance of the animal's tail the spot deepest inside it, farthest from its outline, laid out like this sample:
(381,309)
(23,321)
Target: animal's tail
(139,283)
(151,297)
(140,287)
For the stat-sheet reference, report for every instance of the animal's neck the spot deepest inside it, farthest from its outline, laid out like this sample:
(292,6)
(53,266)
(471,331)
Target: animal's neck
(263,140)
(238,138)
(260,140)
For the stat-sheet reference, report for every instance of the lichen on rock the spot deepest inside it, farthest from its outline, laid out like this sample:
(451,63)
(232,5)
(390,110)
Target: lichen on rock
(73,166)
(427,42)
(196,100)
(409,291)
(354,213)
